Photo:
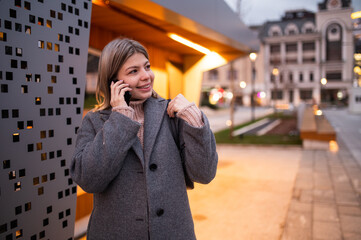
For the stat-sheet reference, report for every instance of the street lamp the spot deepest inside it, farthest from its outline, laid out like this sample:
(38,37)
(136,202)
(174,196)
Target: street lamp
(275,73)
(253,57)
(323,82)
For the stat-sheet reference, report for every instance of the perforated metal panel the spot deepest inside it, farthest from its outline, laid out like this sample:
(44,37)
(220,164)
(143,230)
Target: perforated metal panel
(43,50)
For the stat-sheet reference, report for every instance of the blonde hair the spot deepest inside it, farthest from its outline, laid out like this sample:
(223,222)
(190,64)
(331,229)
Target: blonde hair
(112,58)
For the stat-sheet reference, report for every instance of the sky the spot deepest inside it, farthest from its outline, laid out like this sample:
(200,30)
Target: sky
(256,12)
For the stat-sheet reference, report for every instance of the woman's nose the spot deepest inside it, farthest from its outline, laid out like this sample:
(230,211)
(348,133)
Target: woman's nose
(144,75)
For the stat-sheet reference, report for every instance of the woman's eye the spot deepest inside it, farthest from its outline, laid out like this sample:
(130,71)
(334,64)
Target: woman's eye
(147,67)
(133,71)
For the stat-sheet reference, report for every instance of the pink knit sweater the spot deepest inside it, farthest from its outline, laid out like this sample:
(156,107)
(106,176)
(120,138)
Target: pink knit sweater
(191,114)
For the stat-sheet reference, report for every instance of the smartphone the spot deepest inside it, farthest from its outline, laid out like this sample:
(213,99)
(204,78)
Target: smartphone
(127,94)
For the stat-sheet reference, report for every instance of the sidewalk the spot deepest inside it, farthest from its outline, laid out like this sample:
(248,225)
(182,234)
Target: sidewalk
(283,193)
(325,202)
(250,195)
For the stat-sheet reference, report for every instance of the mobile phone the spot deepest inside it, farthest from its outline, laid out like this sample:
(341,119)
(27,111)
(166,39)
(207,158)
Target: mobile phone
(127,94)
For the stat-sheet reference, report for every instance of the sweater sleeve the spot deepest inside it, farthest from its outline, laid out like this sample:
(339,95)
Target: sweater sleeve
(192,115)
(126,111)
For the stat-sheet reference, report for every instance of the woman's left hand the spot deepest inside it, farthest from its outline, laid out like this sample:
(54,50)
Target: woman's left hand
(177,104)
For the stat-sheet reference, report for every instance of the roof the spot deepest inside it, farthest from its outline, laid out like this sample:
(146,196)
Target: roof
(210,23)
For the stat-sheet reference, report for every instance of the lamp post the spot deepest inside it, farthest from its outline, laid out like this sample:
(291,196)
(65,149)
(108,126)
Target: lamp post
(323,82)
(231,126)
(253,57)
(275,73)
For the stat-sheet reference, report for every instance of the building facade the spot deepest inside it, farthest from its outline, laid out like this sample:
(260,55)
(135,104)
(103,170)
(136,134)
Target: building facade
(295,54)
(309,56)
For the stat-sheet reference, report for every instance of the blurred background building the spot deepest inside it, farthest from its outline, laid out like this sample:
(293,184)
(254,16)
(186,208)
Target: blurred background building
(304,57)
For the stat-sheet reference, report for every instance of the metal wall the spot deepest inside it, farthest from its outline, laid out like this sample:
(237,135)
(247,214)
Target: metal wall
(43,51)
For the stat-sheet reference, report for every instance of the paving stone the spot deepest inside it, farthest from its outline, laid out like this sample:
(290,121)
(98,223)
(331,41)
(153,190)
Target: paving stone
(349,210)
(306,196)
(300,207)
(298,226)
(304,183)
(347,198)
(322,181)
(343,187)
(325,212)
(351,236)
(326,230)
(351,224)
(326,196)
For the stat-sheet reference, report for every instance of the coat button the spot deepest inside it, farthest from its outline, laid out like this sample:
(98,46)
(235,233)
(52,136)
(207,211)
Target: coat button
(160,212)
(153,167)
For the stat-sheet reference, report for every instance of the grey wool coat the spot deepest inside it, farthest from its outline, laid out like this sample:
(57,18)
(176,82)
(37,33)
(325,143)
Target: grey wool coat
(141,193)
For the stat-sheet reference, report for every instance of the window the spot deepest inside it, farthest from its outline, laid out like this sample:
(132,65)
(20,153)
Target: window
(213,74)
(306,94)
(290,77)
(275,48)
(291,47)
(311,77)
(277,94)
(334,76)
(301,77)
(230,74)
(308,46)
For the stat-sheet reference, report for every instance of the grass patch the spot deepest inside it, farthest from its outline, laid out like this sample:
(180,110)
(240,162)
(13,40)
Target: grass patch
(268,139)
(89,101)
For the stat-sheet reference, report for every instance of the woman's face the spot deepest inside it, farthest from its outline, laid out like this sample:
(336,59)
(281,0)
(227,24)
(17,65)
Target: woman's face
(137,73)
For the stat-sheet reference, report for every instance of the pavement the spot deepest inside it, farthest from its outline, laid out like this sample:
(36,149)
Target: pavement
(284,193)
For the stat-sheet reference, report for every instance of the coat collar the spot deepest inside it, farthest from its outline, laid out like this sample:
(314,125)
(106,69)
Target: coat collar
(154,109)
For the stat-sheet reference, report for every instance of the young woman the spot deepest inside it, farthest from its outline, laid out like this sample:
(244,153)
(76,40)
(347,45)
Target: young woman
(130,158)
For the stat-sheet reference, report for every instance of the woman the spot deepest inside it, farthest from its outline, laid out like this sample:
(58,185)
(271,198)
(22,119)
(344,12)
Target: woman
(129,158)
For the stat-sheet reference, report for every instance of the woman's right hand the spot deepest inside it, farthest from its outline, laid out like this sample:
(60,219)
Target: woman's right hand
(117,91)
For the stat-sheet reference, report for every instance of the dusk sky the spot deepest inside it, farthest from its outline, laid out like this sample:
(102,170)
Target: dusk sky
(255,12)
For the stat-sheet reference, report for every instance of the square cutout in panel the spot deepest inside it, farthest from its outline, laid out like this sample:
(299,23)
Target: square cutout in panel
(27,29)
(24,89)
(43,156)
(5,113)
(13,224)
(18,27)
(52,13)
(6,164)
(17,186)
(49,24)
(8,50)
(40,21)
(18,52)
(3,36)
(27,206)
(42,134)
(15,113)
(27,5)
(28,77)
(12,175)
(30,124)
(30,147)
(16,137)
(8,25)
(36,181)
(31,18)
(40,191)
(20,125)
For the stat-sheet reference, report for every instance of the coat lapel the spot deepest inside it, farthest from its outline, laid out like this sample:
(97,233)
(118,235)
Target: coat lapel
(137,146)
(154,109)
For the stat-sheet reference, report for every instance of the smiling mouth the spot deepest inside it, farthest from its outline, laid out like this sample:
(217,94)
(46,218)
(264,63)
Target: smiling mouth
(144,87)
